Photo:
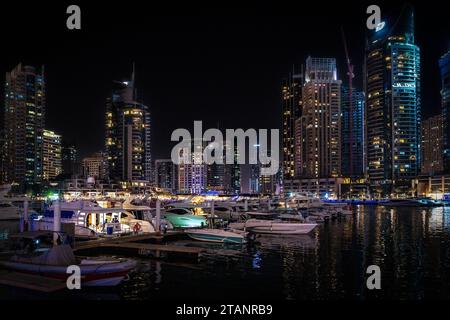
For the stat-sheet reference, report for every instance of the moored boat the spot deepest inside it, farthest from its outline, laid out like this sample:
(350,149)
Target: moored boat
(217,235)
(274,226)
(53,262)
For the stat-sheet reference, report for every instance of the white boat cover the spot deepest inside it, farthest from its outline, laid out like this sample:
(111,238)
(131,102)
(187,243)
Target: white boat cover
(61,255)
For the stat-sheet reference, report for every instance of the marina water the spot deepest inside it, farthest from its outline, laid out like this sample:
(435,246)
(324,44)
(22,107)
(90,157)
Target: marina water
(410,245)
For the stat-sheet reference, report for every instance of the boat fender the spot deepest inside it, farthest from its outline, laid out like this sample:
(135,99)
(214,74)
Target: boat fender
(136,227)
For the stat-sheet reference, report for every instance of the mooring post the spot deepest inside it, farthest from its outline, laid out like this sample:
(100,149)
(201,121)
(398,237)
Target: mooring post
(56,221)
(25,215)
(158,216)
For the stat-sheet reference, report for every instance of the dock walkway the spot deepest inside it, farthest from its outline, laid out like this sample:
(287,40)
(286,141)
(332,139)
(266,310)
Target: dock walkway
(31,282)
(133,244)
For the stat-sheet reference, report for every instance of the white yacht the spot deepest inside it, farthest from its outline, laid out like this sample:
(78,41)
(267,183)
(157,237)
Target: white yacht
(91,220)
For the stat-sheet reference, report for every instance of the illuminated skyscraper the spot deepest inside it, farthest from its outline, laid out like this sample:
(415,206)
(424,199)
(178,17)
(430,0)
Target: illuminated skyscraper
(432,136)
(166,174)
(24,117)
(70,161)
(393,106)
(355,138)
(95,166)
(319,127)
(51,155)
(291,100)
(127,135)
(192,175)
(444,64)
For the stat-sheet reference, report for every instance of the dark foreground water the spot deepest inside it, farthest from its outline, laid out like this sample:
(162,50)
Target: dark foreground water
(410,245)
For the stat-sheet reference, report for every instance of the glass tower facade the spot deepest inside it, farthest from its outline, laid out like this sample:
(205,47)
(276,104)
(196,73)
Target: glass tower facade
(353,142)
(444,64)
(291,101)
(127,135)
(393,106)
(24,125)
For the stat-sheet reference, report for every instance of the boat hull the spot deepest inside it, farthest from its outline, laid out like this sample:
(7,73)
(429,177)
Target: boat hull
(220,237)
(97,274)
(274,227)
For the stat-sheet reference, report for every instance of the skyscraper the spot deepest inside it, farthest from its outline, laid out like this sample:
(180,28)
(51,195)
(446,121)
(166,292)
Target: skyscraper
(393,106)
(192,175)
(352,142)
(51,155)
(432,138)
(218,178)
(127,135)
(166,174)
(319,127)
(70,161)
(444,64)
(24,117)
(291,102)
(95,166)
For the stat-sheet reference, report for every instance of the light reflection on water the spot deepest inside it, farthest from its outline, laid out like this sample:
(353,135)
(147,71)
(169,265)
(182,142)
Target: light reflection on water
(410,245)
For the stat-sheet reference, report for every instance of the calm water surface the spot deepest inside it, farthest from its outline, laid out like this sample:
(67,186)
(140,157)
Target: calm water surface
(410,245)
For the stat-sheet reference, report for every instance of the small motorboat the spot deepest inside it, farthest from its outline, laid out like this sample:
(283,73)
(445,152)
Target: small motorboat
(217,235)
(8,211)
(273,227)
(33,257)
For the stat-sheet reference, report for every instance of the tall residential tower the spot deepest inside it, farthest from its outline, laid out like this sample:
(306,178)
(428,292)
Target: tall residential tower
(319,127)
(444,64)
(127,135)
(393,106)
(24,117)
(291,102)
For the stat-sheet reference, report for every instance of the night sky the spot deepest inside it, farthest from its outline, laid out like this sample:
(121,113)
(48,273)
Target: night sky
(222,64)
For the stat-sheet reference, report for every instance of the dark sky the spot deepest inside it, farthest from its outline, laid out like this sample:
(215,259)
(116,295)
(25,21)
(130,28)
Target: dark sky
(220,64)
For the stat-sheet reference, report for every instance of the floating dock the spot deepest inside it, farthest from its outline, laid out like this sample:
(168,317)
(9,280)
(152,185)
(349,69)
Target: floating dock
(134,244)
(31,282)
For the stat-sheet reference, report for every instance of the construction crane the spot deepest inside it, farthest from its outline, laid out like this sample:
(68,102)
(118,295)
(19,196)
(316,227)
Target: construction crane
(350,75)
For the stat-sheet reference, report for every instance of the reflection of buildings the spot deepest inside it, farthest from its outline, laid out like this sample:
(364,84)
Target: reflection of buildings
(127,136)
(51,155)
(166,174)
(393,113)
(432,133)
(24,117)
(444,64)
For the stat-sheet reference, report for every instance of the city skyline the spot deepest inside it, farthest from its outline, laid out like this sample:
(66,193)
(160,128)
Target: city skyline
(189,83)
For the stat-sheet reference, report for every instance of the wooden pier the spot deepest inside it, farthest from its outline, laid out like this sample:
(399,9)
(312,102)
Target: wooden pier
(31,282)
(134,244)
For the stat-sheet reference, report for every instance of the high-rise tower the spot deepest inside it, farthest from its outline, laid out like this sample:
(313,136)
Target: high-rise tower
(393,106)
(127,135)
(24,117)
